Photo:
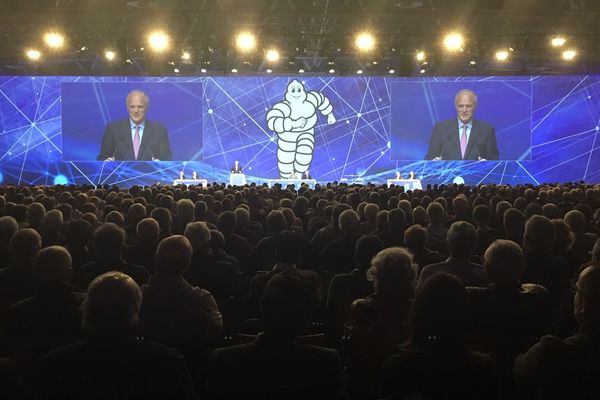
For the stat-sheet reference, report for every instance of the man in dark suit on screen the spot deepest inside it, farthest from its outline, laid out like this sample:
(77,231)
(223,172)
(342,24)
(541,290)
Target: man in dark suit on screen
(463,138)
(135,138)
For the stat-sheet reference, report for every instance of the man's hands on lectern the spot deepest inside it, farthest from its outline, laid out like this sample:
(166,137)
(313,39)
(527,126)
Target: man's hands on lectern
(110,159)
(331,119)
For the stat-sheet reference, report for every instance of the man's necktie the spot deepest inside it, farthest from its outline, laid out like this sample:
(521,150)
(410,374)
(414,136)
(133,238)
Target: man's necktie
(136,141)
(463,141)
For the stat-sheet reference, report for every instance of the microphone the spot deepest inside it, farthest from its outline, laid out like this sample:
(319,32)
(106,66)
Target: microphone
(112,158)
(440,157)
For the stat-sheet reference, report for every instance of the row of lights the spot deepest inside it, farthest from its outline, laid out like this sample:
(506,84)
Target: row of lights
(365,42)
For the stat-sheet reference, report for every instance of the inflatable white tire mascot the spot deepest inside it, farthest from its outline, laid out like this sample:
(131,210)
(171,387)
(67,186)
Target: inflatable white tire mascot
(294,121)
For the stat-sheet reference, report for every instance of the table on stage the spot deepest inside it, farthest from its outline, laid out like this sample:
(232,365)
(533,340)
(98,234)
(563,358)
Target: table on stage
(237,179)
(409,184)
(296,182)
(189,182)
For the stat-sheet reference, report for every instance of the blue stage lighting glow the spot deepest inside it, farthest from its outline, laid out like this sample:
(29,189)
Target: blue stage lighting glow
(60,179)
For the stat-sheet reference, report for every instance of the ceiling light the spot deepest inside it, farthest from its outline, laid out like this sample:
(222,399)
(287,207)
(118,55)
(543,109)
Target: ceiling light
(272,55)
(109,55)
(569,55)
(54,40)
(158,41)
(558,41)
(365,41)
(245,41)
(454,42)
(33,54)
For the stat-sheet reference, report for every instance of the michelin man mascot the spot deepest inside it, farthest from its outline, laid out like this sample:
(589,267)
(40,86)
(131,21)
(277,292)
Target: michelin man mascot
(294,121)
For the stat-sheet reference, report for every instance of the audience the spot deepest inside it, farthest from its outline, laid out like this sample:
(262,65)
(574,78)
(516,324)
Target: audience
(520,295)
(275,365)
(462,241)
(438,362)
(111,362)
(558,368)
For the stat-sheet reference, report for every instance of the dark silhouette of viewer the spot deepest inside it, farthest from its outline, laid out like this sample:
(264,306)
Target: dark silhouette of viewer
(111,363)
(275,365)
(438,364)
(558,368)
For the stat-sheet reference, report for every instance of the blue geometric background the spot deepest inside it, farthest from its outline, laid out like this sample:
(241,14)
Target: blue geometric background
(565,120)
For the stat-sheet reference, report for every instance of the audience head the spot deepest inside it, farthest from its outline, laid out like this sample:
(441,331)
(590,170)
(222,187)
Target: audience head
(115,217)
(514,221)
(185,211)
(576,221)
(52,221)
(112,303)
(462,239)
(199,236)
(440,319)
(148,230)
(366,248)
(419,216)
(371,211)
(563,237)
(79,233)
(226,222)
(393,273)
(287,247)
(288,304)
(52,266)
(396,220)
(8,229)
(173,256)
(25,245)
(539,235)
(435,213)
(586,303)
(242,217)
(415,238)
(504,262)
(349,222)
(109,240)
(35,214)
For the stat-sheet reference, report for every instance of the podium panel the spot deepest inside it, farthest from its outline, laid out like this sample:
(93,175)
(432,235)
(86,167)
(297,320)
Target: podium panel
(409,184)
(202,182)
(296,182)
(237,179)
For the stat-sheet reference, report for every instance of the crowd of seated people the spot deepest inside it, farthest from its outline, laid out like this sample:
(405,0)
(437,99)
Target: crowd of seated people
(337,292)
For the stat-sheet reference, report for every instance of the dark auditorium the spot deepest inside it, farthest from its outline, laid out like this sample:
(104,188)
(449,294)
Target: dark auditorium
(303,200)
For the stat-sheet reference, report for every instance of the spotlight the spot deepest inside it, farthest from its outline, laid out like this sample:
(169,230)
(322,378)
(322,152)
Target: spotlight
(569,55)
(54,40)
(176,70)
(365,41)
(234,70)
(186,56)
(422,71)
(158,41)
(301,71)
(454,42)
(203,70)
(501,55)
(269,70)
(272,55)
(109,55)
(332,71)
(359,71)
(33,54)
(391,71)
(558,41)
(420,56)
(472,62)
(245,41)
